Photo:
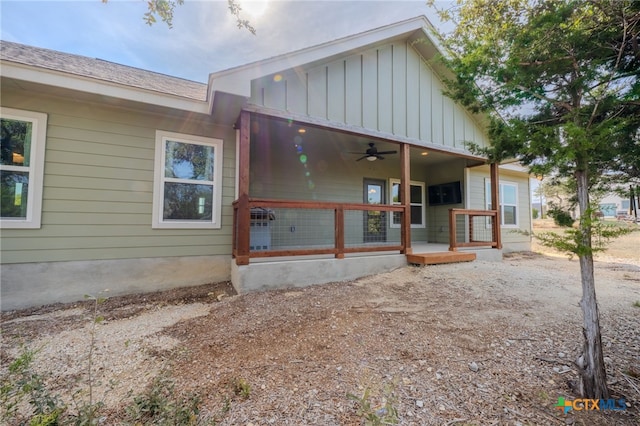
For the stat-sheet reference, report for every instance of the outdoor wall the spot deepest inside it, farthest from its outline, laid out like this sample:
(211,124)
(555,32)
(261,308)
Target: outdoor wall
(438,216)
(513,237)
(277,173)
(388,89)
(97,197)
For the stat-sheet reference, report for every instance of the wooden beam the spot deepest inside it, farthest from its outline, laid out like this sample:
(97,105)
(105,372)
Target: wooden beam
(453,232)
(495,202)
(243,219)
(339,232)
(405,196)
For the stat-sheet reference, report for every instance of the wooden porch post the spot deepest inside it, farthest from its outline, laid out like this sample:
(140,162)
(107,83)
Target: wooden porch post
(339,231)
(244,214)
(495,203)
(405,196)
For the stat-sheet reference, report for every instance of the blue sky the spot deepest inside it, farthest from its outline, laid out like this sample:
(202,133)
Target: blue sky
(204,37)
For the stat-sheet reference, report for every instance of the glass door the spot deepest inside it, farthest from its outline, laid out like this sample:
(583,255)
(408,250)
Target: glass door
(375,225)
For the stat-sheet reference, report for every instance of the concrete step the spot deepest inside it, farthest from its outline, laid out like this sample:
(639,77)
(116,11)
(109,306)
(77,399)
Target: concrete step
(442,257)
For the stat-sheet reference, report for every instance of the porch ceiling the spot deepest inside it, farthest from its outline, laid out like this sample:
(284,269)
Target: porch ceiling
(346,146)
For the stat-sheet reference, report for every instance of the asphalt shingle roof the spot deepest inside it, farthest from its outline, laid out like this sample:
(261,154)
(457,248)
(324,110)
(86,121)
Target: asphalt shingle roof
(101,70)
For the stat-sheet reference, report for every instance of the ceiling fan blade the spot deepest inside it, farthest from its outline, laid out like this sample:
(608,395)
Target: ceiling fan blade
(362,158)
(388,152)
(379,157)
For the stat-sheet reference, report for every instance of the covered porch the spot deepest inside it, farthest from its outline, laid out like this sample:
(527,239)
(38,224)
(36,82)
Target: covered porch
(309,193)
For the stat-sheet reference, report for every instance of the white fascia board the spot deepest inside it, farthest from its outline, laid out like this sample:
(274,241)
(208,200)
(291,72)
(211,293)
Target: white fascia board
(515,167)
(237,81)
(100,87)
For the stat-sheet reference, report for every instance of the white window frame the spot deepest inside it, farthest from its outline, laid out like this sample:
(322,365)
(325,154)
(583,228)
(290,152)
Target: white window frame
(422,205)
(162,137)
(502,184)
(35,169)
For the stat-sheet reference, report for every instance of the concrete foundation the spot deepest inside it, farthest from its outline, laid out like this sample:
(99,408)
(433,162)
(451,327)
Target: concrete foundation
(26,285)
(302,273)
(294,272)
(487,255)
(35,284)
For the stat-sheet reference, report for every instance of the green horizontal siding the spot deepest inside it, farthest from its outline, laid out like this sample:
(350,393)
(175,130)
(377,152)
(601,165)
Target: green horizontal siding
(106,230)
(98,185)
(63,254)
(107,242)
(110,196)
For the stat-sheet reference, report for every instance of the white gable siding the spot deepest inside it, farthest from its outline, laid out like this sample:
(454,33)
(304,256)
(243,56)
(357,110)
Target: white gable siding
(389,89)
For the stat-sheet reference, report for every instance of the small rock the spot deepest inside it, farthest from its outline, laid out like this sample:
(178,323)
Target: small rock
(473,366)
(419,403)
(561,354)
(442,408)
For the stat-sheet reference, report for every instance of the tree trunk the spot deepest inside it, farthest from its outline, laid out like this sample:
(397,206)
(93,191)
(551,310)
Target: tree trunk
(593,375)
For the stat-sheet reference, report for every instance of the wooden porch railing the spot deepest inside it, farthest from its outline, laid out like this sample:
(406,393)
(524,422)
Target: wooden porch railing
(242,250)
(481,229)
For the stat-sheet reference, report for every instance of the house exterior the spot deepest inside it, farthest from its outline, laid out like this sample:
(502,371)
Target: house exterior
(613,206)
(326,164)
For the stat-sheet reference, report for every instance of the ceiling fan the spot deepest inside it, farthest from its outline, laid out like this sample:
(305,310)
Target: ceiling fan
(372,154)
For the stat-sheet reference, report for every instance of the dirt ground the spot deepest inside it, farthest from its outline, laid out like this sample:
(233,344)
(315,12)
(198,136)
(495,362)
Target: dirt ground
(476,343)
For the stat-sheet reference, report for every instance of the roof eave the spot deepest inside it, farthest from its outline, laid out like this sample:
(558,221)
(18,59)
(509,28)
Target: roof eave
(237,81)
(100,87)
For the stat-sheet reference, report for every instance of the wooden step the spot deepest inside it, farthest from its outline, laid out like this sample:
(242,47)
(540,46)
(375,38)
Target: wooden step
(440,257)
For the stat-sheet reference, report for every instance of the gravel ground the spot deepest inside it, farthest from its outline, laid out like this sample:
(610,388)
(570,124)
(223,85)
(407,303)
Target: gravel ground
(473,343)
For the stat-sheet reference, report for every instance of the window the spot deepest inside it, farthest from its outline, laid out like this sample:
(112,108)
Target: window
(188,177)
(417,203)
(508,202)
(22,167)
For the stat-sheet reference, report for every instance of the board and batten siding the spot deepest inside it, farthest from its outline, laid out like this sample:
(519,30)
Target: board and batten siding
(98,183)
(389,89)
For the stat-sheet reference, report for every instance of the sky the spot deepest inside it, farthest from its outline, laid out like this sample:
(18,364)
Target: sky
(204,38)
